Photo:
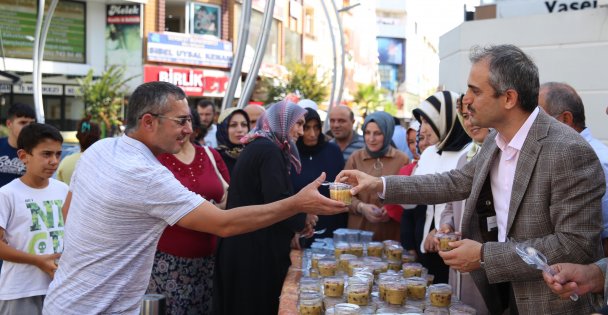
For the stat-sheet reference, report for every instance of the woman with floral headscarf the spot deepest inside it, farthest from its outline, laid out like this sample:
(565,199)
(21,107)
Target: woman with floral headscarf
(377,158)
(232,125)
(250,268)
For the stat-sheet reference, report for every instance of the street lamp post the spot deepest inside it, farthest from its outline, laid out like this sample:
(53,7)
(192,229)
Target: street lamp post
(38,53)
(342,55)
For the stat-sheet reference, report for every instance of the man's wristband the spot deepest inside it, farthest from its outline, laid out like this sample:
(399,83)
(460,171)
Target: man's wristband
(481,260)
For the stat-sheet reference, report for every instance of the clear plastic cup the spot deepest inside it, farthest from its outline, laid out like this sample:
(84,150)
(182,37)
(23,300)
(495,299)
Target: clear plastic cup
(394,252)
(346,309)
(379,267)
(329,302)
(412,270)
(395,292)
(327,267)
(333,286)
(408,258)
(358,294)
(356,249)
(394,265)
(339,236)
(355,263)
(310,284)
(310,304)
(314,260)
(374,249)
(344,260)
(341,248)
(388,243)
(340,192)
(416,288)
(445,239)
(440,295)
(366,236)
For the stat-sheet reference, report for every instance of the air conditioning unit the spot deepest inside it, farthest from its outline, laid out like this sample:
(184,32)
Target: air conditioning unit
(602,3)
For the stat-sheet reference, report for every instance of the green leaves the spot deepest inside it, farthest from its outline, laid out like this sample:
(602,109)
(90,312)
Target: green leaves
(303,78)
(103,96)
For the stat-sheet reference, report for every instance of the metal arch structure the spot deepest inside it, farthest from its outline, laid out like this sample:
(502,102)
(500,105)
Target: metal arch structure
(42,30)
(237,62)
(260,49)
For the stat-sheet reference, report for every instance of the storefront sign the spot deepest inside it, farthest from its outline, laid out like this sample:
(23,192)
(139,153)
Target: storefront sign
(71,90)
(195,82)
(66,36)
(189,49)
(47,89)
(123,39)
(513,8)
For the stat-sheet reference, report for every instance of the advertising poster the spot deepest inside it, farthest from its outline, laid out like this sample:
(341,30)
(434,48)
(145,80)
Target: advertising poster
(66,37)
(205,19)
(390,50)
(123,39)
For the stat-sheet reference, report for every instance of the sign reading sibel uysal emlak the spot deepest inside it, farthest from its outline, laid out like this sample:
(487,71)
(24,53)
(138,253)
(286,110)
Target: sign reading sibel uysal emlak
(189,49)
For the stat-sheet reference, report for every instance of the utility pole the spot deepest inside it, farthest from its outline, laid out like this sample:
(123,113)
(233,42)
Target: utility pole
(38,53)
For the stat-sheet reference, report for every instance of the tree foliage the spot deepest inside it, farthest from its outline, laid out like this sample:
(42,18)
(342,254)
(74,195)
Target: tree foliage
(370,98)
(103,97)
(301,80)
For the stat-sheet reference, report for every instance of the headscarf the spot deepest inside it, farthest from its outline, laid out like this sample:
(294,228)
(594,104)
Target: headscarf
(386,124)
(439,110)
(311,114)
(274,125)
(223,140)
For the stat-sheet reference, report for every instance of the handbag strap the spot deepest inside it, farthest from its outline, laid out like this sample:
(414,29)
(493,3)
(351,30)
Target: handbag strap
(217,172)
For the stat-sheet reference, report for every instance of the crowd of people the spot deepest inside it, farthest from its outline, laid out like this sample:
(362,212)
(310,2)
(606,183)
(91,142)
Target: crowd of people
(204,206)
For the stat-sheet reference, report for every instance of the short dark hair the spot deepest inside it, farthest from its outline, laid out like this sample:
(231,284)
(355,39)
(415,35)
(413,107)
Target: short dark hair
(510,68)
(33,134)
(561,97)
(151,97)
(206,103)
(21,110)
(87,133)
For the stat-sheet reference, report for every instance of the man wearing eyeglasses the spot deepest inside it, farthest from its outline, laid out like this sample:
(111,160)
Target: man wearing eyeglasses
(121,199)
(561,101)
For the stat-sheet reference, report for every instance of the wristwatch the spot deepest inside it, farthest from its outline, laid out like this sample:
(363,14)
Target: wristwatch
(481,261)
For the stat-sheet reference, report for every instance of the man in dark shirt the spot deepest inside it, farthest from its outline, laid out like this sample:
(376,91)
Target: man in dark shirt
(19,116)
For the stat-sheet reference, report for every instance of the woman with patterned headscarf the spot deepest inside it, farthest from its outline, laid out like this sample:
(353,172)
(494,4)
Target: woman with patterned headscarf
(232,125)
(251,267)
(317,156)
(438,116)
(377,158)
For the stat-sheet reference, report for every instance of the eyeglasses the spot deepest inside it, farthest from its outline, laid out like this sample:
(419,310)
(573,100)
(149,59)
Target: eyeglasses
(182,121)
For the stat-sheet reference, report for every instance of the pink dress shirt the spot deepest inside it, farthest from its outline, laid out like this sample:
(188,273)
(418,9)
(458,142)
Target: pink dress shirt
(503,173)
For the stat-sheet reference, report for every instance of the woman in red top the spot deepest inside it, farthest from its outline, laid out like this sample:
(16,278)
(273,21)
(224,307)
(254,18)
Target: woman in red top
(184,261)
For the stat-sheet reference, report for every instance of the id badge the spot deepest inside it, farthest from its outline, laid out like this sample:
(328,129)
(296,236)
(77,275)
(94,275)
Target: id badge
(491,223)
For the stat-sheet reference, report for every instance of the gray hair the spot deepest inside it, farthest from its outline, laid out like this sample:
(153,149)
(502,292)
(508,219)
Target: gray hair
(151,97)
(510,68)
(561,97)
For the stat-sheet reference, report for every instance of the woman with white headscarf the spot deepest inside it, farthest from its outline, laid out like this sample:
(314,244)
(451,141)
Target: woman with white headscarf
(250,268)
(438,117)
(377,158)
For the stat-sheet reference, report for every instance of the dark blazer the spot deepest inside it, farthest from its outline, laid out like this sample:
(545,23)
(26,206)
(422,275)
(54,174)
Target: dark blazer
(555,207)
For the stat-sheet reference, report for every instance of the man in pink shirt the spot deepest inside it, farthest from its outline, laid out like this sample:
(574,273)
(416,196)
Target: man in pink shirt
(535,181)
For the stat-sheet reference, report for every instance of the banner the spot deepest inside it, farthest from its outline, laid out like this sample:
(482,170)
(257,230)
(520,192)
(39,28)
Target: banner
(189,49)
(66,39)
(123,40)
(195,82)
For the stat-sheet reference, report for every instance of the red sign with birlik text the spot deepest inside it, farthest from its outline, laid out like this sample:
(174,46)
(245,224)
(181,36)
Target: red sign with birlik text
(195,82)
